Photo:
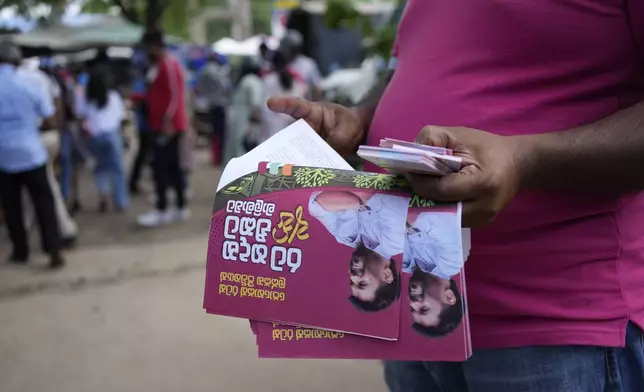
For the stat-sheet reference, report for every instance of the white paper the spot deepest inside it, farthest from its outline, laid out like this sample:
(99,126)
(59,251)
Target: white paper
(297,144)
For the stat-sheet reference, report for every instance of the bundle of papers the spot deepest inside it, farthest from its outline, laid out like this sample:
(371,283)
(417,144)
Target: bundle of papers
(328,262)
(399,157)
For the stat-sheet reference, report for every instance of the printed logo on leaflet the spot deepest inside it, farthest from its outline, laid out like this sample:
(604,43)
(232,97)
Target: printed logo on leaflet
(275,168)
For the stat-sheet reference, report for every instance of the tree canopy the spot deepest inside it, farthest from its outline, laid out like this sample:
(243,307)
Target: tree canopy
(173,16)
(170,15)
(343,14)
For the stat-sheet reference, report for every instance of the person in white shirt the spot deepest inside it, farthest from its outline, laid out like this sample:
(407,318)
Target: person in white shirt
(373,225)
(282,81)
(102,111)
(304,66)
(433,243)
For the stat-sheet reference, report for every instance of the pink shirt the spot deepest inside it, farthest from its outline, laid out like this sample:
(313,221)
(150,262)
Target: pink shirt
(555,268)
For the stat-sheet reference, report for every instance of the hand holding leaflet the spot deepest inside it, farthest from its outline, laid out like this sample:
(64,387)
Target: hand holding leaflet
(284,201)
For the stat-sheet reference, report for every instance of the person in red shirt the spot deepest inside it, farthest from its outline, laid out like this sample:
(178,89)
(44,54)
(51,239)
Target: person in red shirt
(168,120)
(551,130)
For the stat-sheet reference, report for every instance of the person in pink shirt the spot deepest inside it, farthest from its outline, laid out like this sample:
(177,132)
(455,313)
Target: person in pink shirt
(544,101)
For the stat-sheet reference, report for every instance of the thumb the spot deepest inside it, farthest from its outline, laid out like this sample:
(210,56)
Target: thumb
(437,136)
(294,107)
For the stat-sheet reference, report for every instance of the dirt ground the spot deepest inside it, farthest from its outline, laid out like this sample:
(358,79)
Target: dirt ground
(125,315)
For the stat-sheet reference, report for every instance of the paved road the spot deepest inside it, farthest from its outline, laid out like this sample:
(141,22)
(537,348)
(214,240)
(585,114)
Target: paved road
(126,316)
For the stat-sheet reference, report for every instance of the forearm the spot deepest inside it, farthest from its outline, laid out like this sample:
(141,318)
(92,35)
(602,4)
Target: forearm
(606,156)
(367,108)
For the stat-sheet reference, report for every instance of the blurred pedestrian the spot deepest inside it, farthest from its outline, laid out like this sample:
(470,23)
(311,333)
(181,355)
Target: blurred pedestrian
(72,152)
(292,47)
(23,158)
(213,91)
(31,73)
(244,114)
(166,100)
(265,57)
(102,112)
(146,138)
(282,81)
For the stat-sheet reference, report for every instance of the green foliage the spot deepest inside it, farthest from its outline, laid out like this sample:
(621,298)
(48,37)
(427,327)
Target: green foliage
(313,177)
(176,14)
(418,201)
(374,181)
(239,187)
(170,15)
(217,29)
(343,14)
(98,7)
(383,41)
(262,11)
(27,7)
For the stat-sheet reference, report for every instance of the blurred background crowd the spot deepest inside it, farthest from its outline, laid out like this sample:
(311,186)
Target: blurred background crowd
(131,97)
(138,106)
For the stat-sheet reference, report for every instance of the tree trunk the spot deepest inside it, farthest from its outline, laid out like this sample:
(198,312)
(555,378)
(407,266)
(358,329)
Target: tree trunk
(154,12)
(129,13)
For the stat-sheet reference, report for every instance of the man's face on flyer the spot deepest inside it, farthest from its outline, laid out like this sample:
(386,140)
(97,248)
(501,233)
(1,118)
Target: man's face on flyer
(367,274)
(428,297)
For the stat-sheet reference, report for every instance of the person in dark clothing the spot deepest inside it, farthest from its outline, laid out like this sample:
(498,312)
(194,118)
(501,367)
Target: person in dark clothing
(168,121)
(146,139)
(23,158)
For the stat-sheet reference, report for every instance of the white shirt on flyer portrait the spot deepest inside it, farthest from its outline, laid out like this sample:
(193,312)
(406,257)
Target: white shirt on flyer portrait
(433,244)
(101,120)
(378,227)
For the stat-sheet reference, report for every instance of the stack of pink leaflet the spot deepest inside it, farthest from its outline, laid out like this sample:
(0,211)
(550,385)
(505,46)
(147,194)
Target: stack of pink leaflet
(329,262)
(434,322)
(401,157)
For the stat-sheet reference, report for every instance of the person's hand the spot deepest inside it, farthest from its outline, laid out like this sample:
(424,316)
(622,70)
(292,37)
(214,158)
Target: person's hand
(491,174)
(339,126)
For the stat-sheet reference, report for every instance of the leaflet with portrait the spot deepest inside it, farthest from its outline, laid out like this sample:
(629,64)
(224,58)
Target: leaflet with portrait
(316,254)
